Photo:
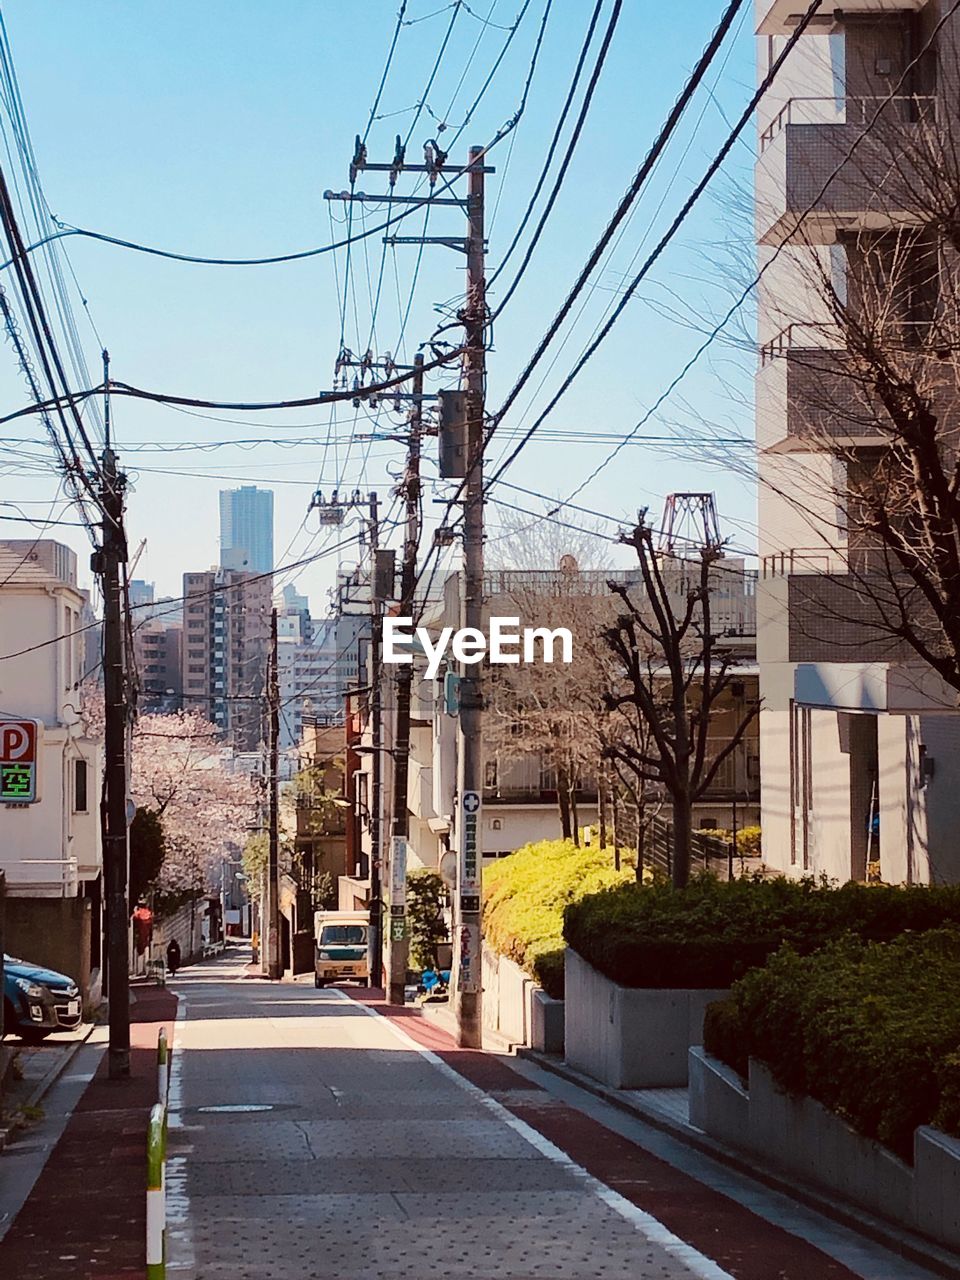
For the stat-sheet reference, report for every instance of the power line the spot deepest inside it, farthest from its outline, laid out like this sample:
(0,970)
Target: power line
(659,247)
(568,155)
(659,144)
(578,71)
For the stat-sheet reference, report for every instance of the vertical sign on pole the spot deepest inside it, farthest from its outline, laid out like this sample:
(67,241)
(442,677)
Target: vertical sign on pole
(18,761)
(468,976)
(398,888)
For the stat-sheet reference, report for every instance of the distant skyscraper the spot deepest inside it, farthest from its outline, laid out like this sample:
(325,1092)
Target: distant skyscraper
(246,529)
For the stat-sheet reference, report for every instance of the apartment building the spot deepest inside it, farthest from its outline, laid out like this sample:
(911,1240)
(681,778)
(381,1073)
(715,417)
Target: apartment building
(521,792)
(224,645)
(859,738)
(50,849)
(158,657)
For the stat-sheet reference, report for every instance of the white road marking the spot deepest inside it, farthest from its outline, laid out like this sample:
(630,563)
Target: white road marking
(652,1228)
(177,1198)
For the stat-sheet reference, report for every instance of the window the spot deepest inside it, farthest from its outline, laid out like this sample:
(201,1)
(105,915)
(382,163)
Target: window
(80,786)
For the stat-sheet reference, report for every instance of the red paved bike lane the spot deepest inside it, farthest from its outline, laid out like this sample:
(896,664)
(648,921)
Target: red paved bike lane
(738,1240)
(85,1217)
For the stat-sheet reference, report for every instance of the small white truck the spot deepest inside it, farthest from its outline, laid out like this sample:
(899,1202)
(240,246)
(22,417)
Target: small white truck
(341,946)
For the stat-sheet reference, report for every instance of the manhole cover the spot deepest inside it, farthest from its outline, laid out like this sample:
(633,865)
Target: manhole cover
(239,1106)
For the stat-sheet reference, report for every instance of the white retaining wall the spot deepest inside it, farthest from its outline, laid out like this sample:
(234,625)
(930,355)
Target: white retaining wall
(515,1007)
(630,1038)
(805,1140)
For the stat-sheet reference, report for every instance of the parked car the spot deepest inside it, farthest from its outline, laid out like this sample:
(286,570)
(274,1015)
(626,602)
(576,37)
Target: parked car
(37,1001)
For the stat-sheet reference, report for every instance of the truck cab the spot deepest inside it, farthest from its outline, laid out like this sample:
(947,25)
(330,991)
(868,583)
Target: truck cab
(341,946)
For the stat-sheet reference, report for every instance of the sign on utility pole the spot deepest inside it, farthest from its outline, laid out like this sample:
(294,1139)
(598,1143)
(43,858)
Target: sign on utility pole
(19,747)
(466,962)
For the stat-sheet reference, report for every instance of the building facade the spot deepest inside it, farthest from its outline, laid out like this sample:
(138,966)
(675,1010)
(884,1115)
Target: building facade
(224,646)
(50,849)
(859,740)
(246,529)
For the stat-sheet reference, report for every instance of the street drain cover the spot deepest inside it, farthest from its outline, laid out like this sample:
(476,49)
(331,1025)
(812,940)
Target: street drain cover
(239,1106)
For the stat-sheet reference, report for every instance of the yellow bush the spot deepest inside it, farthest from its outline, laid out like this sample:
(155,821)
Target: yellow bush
(524,896)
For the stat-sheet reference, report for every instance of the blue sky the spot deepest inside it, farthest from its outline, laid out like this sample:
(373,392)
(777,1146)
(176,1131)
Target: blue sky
(215,128)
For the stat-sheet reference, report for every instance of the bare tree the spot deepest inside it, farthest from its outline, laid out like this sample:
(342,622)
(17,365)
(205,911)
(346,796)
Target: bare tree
(675,671)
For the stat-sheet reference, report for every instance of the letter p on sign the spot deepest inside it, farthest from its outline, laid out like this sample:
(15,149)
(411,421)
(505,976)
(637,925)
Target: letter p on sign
(18,761)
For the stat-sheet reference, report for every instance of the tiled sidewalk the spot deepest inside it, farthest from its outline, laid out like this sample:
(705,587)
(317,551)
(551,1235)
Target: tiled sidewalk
(84,1219)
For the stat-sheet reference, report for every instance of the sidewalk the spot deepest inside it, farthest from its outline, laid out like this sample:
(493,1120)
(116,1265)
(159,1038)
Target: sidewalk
(748,1232)
(84,1218)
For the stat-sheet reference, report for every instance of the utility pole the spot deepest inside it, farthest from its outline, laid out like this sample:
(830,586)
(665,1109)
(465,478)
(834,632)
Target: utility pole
(375,930)
(467,940)
(398,950)
(274,965)
(115,843)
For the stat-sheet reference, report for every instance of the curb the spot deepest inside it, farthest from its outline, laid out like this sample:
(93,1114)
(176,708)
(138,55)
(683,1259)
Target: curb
(906,1245)
(57,1069)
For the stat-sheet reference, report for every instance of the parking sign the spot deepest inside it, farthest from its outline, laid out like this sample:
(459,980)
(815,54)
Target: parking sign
(18,761)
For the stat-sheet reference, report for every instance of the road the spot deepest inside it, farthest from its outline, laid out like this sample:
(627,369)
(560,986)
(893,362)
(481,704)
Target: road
(313,1137)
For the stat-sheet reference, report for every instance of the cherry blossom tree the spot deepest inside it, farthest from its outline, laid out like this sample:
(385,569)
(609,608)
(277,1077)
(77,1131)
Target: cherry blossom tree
(180,773)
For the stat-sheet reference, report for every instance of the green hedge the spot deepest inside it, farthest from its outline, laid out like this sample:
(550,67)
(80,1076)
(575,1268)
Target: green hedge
(713,932)
(871,1030)
(524,896)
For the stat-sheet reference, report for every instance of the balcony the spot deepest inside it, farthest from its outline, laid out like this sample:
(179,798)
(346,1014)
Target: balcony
(830,165)
(780,17)
(810,397)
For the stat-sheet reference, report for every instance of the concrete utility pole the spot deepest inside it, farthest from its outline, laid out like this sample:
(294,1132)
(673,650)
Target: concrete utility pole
(467,941)
(398,950)
(274,964)
(114,816)
(375,931)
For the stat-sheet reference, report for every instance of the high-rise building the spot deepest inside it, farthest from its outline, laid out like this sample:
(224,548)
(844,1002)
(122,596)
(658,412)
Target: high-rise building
(246,529)
(226,637)
(857,142)
(157,648)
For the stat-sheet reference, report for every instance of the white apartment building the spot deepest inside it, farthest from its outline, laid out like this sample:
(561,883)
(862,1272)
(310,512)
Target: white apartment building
(859,741)
(50,850)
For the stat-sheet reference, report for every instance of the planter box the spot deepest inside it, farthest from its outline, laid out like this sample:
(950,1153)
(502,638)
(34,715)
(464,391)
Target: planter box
(805,1140)
(515,1007)
(546,1022)
(719,1103)
(627,1037)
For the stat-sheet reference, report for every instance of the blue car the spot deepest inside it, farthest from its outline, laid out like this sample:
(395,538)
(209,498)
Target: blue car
(37,1001)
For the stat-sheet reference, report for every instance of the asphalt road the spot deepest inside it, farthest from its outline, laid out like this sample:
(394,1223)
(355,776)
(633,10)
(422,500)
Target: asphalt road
(314,1138)
(311,1138)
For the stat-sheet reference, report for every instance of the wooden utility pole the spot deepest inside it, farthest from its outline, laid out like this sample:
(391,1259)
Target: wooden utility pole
(274,963)
(375,928)
(107,563)
(467,941)
(398,950)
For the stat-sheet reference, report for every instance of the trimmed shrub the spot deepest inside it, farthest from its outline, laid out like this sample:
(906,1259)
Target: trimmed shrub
(748,839)
(713,932)
(871,1030)
(524,896)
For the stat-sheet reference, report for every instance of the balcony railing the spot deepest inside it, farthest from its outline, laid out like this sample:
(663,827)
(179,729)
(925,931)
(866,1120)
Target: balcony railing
(894,335)
(904,108)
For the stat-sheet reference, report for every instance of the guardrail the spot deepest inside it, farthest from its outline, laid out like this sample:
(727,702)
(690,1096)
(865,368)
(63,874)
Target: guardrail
(156,1240)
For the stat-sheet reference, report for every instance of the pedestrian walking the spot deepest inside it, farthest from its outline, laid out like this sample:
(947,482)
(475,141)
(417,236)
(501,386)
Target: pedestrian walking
(173,956)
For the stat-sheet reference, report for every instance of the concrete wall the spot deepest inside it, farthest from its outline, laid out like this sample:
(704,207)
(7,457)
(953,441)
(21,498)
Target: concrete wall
(515,1007)
(807,1142)
(186,925)
(54,932)
(629,1038)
